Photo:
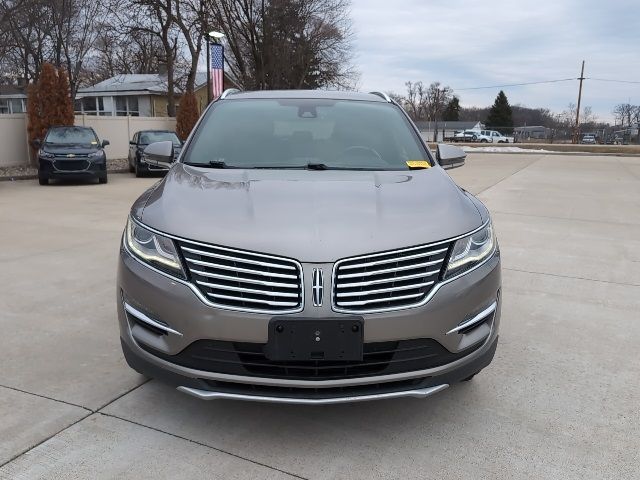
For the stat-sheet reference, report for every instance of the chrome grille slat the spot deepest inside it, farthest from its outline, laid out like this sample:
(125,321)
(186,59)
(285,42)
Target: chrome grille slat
(392,260)
(236,259)
(243,280)
(378,300)
(239,269)
(383,280)
(387,281)
(390,270)
(253,300)
(384,290)
(247,290)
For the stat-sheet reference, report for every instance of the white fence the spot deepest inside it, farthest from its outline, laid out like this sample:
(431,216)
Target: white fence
(14,147)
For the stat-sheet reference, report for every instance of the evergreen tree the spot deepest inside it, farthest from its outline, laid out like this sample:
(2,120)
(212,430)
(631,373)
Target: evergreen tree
(452,112)
(500,115)
(187,115)
(49,102)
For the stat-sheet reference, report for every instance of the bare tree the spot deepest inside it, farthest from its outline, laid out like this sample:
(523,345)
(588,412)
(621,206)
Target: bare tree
(286,43)
(415,101)
(624,113)
(437,97)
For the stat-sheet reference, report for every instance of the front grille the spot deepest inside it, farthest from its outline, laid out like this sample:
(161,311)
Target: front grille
(248,359)
(75,155)
(388,280)
(244,280)
(71,165)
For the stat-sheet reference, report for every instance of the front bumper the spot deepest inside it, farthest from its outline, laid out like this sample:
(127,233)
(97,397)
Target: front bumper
(76,168)
(173,305)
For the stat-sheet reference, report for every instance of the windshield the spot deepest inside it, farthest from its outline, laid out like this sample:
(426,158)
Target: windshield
(147,138)
(301,133)
(71,136)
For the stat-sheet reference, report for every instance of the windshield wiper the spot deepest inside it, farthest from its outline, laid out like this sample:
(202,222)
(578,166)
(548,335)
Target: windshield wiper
(210,164)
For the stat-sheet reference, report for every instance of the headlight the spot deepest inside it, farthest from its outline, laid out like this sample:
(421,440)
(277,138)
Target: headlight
(98,154)
(470,251)
(152,248)
(43,154)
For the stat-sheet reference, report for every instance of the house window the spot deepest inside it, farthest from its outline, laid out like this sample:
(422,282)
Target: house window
(90,106)
(17,105)
(4,106)
(127,106)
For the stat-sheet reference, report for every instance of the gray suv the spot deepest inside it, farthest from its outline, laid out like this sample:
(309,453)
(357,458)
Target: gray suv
(307,247)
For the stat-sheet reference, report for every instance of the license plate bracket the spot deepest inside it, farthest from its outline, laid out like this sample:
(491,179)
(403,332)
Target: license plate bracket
(307,339)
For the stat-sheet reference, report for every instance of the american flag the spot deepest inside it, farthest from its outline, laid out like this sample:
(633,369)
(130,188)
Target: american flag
(217,70)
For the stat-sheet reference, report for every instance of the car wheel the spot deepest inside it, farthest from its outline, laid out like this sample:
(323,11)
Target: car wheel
(139,173)
(132,169)
(103,179)
(43,180)
(484,140)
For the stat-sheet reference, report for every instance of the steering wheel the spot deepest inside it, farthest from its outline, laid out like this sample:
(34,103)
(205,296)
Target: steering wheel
(362,149)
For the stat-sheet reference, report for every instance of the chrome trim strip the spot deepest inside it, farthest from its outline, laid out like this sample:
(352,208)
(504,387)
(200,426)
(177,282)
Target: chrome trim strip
(236,259)
(400,259)
(384,290)
(480,317)
(431,293)
(248,290)
(211,395)
(195,289)
(240,269)
(146,319)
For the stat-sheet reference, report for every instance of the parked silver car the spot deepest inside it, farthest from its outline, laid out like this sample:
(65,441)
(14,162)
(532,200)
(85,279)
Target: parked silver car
(307,247)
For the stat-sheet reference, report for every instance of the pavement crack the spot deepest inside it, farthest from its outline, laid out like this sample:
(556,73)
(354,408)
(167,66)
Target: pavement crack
(46,397)
(557,275)
(36,445)
(509,176)
(226,452)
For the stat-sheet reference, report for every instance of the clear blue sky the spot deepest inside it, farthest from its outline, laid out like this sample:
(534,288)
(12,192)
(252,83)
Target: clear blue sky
(471,44)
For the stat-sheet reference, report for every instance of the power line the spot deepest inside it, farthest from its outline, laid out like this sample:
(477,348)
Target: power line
(518,84)
(612,80)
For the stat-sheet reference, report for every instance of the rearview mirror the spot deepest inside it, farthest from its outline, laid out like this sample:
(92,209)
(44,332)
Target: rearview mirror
(450,156)
(159,154)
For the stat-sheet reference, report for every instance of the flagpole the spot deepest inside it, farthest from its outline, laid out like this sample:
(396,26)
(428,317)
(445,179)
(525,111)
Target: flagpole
(208,71)
(216,36)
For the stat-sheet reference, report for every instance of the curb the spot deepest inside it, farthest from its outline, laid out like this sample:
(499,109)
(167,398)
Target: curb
(34,177)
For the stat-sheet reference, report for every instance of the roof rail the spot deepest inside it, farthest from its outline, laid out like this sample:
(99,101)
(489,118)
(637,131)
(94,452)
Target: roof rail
(382,95)
(229,91)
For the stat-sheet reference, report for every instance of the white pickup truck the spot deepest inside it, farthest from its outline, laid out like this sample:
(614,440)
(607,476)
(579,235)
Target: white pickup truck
(491,136)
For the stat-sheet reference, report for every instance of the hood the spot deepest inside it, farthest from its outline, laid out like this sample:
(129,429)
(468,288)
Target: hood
(311,216)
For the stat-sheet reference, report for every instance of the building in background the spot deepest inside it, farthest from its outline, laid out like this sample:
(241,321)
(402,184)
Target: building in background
(13,99)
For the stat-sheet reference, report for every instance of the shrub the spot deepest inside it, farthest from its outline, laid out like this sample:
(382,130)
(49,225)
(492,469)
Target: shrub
(187,115)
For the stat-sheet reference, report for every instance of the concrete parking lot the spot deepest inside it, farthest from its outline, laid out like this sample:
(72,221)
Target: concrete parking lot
(561,399)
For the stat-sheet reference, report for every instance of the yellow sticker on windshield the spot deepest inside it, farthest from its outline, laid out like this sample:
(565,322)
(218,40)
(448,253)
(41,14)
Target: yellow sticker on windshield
(94,143)
(418,164)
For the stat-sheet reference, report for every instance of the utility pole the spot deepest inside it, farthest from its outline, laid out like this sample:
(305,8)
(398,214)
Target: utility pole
(577,130)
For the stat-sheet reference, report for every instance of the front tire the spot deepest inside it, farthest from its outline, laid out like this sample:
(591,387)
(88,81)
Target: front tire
(139,172)
(43,180)
(484,140)
(103,179)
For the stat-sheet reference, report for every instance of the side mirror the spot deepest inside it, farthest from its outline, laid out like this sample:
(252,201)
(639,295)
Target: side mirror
(159,154)
(450,156)
(37,143)
(131,142)
(105,143)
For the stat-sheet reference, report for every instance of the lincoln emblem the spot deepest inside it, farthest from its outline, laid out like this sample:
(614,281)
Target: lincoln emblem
(317,287)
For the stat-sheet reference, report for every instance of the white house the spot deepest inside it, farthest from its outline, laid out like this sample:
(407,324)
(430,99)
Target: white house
(12,99)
